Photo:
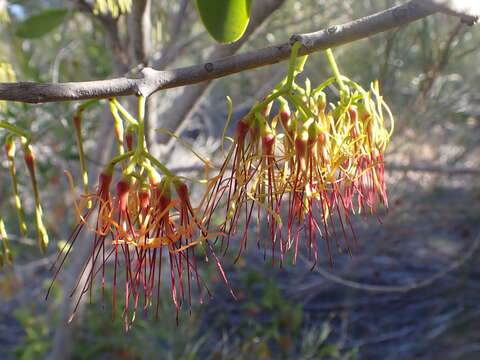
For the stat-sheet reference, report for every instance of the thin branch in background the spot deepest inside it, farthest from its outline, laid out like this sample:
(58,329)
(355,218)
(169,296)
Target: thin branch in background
(468,52)
(170,50)
(62,49)
(435,66)
(62,53)
(140,41)
(466,255)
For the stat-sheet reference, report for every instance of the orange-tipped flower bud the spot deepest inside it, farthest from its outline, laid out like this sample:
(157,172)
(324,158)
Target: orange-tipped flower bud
(29,157)
(242,129)
(182,191)
(154,178)
(321,102)
(77,121)
(301,144)
(144,197)
(123,190)
(129,137)
(363,113)
(10,147)
(285,117)
(268,143)
(312,134)
(352,111)
(322,138)
(104,182)
(164,194)
(186,211)
(266,110)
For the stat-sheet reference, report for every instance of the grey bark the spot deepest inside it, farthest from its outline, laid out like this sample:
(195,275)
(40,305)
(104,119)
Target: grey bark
(150,80)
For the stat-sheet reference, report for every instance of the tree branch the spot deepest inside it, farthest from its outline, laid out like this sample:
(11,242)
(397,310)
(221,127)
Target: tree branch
(150,81)
(467,10)
(139,22)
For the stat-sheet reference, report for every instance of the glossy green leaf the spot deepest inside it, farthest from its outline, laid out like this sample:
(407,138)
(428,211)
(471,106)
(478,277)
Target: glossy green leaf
(225,20)
(41,23)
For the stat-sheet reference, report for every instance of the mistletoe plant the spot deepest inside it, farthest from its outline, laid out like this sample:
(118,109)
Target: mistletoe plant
(299,163)
(324,160)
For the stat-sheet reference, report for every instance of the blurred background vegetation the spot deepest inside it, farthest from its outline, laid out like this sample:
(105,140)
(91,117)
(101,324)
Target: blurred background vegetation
(403,295)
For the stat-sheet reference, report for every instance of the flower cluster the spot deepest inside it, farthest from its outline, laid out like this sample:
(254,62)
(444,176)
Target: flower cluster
(17,135)
(140,224)
(6,256)
(299,166)
(312,163)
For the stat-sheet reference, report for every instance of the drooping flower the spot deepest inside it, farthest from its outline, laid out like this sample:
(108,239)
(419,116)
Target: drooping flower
(323,164)
(101,207)
(139,228)
(30,161)
(249,184)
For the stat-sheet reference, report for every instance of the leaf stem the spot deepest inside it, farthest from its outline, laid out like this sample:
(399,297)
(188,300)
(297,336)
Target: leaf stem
(16,130)
(336,71)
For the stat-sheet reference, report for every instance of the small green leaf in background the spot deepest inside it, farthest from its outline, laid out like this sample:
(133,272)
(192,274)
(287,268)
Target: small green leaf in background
(41,23)
(225,20)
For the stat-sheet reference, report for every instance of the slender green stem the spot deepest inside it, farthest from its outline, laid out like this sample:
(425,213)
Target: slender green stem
(323,85)
(336,71)
(291,67)
(41,229)
(6,248)
(187,146)
(356,86)
(301,64)
(283,102)
(16,130)
(118,127)
(124,112)
(142,144)
(300,104)
(87,104)
(159,165)
(121,157)
(287,83)
(267,101)
(18,201)
(262,122)
(152,173)
(13,174)
(227,123)
(81,153)
(141,108)
(299,89)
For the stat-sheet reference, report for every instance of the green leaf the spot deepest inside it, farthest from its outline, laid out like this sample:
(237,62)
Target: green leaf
(225,20)
(41,23)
